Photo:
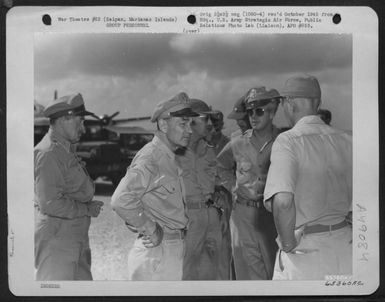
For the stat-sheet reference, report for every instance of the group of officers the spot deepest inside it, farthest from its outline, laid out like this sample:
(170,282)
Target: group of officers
(263,204)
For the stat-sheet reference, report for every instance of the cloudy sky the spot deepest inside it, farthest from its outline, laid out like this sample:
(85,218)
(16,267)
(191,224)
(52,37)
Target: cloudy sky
(133,72)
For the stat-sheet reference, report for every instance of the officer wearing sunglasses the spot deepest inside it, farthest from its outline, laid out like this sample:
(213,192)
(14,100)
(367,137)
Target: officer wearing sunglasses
(253,230)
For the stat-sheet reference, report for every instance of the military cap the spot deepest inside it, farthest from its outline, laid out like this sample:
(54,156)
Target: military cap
(66,105)
(201,107)
(217,115)
(178,106)
(260,96)
(302,86)
(239,109)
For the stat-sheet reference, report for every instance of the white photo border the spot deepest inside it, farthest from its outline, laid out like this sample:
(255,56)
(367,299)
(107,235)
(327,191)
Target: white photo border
(24,22)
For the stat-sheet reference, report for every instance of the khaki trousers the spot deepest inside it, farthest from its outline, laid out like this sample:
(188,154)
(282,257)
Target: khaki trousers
(62,259)
(163,262)
(203,243)
(225,253)
(327,253)
(253,238)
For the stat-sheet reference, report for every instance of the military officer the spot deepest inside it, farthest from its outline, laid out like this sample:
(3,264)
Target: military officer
(150,198)
(223,198)
(239,114)
(309,189)
(63,196)
(253,231)
(198,162)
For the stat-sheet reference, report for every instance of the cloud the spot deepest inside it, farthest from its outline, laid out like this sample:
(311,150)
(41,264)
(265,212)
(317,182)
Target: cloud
(64,55)
(245,55)
(132,72)
(222,56)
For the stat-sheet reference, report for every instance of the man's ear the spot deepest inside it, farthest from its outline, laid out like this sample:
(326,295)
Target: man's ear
(163,125)
(317,104)
(291,106)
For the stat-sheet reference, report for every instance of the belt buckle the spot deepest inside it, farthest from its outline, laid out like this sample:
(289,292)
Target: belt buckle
(181,233)
(209,203)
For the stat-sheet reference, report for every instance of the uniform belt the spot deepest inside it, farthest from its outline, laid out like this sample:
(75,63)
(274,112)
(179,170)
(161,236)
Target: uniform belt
(171,234)
(174,234)
(250,203)
(197,205)
(320,228)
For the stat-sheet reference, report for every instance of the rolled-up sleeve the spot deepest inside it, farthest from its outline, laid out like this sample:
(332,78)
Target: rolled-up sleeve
(127,198)
(226,167)
(49,186)
(283,169)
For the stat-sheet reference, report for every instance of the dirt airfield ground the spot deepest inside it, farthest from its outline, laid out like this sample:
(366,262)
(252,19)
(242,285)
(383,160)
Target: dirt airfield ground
(110,240)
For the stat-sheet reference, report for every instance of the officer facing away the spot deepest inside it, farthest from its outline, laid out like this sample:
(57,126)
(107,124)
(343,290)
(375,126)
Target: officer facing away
(252,227)
(309,189)
(150,198)
(63,196)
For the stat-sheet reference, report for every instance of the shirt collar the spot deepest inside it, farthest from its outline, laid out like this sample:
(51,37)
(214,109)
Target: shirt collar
(160,140)
(309,119)
(249,132)
(249,136)
(57,138)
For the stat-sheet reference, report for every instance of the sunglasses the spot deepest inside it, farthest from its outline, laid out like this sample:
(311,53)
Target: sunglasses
(257,111)
(202,117)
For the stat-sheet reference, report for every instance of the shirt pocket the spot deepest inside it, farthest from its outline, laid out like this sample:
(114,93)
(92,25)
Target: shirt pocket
(75,176)
(166,186)
(170,186)
(243,171)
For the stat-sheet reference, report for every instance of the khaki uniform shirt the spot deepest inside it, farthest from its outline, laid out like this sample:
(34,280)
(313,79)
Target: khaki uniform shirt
(62,187)
(199,172)
(152,188)
(314,162)
(251,160)
(221,141)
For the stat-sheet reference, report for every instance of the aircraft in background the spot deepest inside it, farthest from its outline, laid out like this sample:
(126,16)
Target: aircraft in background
(108,145)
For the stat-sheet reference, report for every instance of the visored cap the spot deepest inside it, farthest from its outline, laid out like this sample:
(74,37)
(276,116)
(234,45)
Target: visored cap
(217,115)
(260,96)
(239,109)
(178,106)
(66,105)
(201,107)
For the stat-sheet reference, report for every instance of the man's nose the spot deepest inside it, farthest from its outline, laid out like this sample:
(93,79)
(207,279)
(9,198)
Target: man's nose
(209,124)
(188,128)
